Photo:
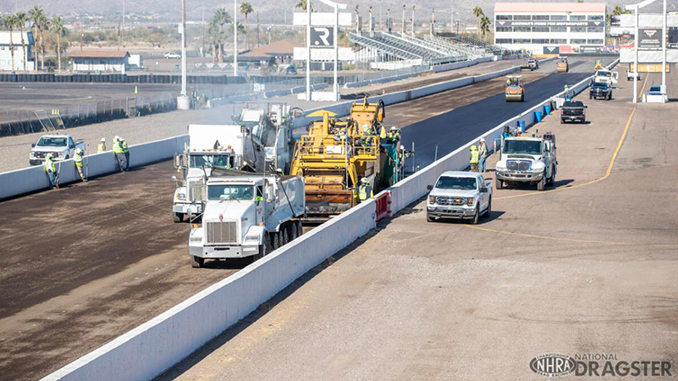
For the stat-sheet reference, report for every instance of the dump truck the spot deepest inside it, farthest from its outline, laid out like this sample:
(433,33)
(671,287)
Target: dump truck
(231,146)
(336,155)
(246,215)
(515,92)
(563,65)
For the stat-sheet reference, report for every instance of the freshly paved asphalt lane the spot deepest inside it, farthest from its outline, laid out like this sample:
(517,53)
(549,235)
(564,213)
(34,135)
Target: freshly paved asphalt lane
(451,130)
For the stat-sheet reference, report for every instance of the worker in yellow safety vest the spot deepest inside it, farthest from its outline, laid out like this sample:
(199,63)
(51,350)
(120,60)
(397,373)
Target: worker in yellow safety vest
(119,153)
(475,158)
(125,151)
(77,159)
(365,190)
(394,135)
(51,170)
(102,146)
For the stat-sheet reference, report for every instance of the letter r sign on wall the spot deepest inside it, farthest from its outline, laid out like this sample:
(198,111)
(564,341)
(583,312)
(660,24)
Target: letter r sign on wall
(322,36)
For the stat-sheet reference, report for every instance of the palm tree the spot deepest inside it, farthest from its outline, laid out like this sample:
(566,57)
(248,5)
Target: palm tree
(42,27)
(36,15)
(10,22)
(485,25)
(58,28)
(21,19)
(217,32)
(478,12)
(246,9)
(302,4)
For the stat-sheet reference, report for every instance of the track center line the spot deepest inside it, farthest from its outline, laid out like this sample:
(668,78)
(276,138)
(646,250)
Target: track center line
(609,167)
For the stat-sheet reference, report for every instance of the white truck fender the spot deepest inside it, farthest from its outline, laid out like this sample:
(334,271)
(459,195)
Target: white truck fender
(255,235)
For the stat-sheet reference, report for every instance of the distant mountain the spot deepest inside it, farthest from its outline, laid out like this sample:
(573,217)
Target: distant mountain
(268,10)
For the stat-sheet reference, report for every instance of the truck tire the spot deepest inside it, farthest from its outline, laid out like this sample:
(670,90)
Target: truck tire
(300,228)
(552,180)
(498,183)
(476,216)
(293,230)
(197,262)
(284,235)
(268,244)
(488,211)
(541,183)
(275,240)
(178,217)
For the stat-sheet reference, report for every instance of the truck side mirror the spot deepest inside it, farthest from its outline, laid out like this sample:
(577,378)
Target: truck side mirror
(178,161)
(429,187)
(483,190)
(174,178)
(32,145)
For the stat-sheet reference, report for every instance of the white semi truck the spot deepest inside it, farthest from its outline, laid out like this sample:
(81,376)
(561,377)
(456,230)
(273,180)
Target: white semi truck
(246,215)
(228,146)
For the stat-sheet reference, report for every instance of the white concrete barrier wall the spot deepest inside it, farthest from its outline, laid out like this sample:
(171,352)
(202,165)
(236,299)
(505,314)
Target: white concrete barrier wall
(27,180)
(153,347)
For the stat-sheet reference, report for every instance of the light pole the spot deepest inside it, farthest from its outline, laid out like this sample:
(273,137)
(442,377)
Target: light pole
(636,8)
(235,38)
(182,100)
(413,21)
(308,51)
(402,31)
(664,38)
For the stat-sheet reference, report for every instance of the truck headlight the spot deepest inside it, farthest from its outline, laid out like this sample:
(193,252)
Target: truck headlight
(250,249)
(470,201)
(196,239)
(181,196)
(432,199)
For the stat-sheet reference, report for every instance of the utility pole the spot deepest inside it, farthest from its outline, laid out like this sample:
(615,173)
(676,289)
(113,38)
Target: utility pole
(402,31)
(388,20)
(235,38)
(183,102)
(635,59)
(413,22)
(122,30)
(664,38)
(370,24)
(433,20)
(258,41)
(308,50)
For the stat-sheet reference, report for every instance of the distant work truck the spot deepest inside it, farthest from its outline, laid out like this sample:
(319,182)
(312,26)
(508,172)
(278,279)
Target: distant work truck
(62,147)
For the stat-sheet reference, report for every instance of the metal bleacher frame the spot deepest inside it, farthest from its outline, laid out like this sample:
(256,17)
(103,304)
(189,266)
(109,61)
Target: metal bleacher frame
(408,48)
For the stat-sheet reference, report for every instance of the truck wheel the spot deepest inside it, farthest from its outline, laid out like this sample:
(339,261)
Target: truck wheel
(498,183)
(552,180)
(268,243)
(178,217)
(284,236)
(275,240)
(300,228)
(293,230)
(476,216)
(197,262)
(541,183)
(488,211)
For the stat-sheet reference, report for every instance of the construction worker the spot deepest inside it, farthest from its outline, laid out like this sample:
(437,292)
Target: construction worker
(102,146)
(77,159)
(382,132)
(482,152)
(119,153)
(365,189)
(125,151)
(393,135)
(475,158)
(51,170)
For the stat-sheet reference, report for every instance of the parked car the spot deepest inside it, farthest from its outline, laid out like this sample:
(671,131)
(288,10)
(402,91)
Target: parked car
(630,75)
(573,111)
(62,147)
(600,90)
(172,55)
(459,195)
(657,94)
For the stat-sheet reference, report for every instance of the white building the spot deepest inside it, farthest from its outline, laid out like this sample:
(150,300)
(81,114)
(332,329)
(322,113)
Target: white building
(549,28)
(20,56)
(104,61)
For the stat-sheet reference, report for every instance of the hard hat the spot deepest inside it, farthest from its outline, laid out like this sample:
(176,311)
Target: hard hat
(49,156)
(116,138)
(482,140)
(365,180)
(473,147)
(393,128)
(402,147)
(78,151)
(103,139)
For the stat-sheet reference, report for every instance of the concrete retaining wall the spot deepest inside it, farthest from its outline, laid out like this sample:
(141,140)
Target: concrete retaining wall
(153,347)
(22,181)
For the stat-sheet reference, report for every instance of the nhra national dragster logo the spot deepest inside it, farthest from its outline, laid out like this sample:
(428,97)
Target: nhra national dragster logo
(597,365)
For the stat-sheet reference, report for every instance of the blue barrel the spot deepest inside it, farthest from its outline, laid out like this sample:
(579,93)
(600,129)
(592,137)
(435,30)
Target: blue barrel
(547,109)
(521,124)
(537,116)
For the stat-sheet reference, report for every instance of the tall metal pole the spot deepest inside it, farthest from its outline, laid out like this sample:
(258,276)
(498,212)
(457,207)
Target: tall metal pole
(183,47)
(664,38)
(635,59)
(308,50)
(336,51)
(452,18)
(235,37)
(433,20)
(413,22)
(402,31)
(122,30)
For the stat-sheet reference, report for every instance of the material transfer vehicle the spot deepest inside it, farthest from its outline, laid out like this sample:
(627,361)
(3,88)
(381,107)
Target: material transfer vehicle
(459,195)
(573,111)
(62,147)
(246,215)
(600,90)
(515,92)
(527,160)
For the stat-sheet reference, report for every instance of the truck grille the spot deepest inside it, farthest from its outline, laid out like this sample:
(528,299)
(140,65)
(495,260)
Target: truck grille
(449,201)
(221,232)
(518,165)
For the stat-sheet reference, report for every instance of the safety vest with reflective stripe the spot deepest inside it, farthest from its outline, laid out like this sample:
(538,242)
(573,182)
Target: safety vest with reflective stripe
(475,157)
(123,144)
(117,147)
(364,192)
(78,160)
(49,165)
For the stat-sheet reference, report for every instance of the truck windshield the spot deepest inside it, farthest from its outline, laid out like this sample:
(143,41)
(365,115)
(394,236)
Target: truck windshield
(197,161)
(527,147)
(604,74)
(601,84)
(462,183)
(52,142)
(226,192)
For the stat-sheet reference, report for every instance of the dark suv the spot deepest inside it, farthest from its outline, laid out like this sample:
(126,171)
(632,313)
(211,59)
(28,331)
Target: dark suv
(600,90)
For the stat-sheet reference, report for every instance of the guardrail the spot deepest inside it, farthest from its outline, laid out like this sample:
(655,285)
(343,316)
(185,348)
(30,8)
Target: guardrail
(33,179)
(153,347)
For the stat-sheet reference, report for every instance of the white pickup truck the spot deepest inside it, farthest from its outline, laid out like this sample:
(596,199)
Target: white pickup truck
(459,195)
(606,76)
(62,147)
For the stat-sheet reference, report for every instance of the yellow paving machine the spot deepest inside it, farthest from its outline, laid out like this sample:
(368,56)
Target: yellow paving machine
(336,155)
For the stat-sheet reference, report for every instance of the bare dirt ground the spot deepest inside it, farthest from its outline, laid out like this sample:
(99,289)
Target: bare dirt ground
(588,267)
